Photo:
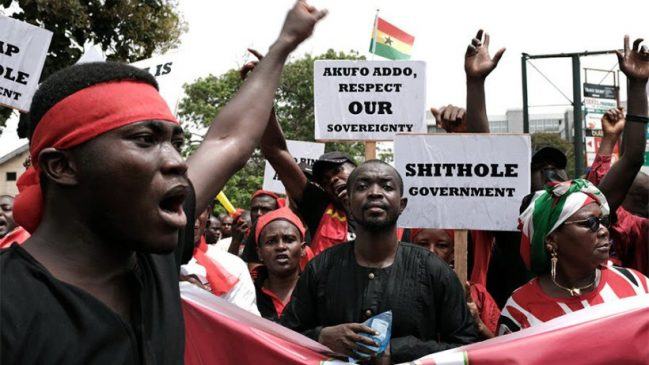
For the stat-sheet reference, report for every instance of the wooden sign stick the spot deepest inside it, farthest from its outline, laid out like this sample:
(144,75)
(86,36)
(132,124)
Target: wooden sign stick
(460,254)
(370,150)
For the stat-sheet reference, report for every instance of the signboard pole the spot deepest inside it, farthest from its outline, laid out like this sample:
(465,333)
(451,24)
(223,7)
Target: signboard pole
(460,254)
(370,150)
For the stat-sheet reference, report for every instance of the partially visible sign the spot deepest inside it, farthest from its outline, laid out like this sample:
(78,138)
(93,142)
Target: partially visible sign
(165,70)
(23,48)
(303,153)
(598,99)
(600,91)
(368,100)
(592,146)
(463,181)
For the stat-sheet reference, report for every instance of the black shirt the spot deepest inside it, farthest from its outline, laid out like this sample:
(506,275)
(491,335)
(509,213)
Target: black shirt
(426,299)
(47,321)
(507,271)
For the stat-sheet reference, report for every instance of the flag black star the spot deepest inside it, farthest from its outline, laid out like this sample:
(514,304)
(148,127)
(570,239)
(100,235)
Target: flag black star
(388,41)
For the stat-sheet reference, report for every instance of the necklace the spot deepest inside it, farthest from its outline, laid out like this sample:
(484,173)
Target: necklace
(574,292)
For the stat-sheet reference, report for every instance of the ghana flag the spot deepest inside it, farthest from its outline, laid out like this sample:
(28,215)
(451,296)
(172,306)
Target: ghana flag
(391,42)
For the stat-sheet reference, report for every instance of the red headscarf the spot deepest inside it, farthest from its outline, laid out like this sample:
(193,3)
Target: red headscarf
(284,213)
(79,118)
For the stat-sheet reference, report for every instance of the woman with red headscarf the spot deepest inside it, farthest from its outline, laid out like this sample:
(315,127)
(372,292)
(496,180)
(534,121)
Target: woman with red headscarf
(280,237)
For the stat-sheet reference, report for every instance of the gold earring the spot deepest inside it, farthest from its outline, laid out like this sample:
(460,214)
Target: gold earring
(553,262)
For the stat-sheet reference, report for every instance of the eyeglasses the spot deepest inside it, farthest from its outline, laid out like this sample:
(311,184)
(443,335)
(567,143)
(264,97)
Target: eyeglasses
(592,222)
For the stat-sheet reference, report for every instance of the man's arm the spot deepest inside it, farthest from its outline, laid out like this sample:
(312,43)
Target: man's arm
(238,127)
(612,126)
(635,65)
(274,148)
(478,65)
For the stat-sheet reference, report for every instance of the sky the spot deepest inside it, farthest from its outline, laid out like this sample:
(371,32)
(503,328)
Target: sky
(220,31)
(442,30)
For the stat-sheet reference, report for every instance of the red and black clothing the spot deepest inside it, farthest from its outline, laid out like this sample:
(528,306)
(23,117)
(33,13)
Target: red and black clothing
(269,304)
(327,221)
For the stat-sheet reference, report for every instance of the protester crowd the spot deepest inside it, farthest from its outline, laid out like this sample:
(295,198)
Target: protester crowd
(110,218)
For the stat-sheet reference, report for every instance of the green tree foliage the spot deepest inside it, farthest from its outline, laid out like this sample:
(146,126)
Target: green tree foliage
(540,140)
(293,105)
(126,30)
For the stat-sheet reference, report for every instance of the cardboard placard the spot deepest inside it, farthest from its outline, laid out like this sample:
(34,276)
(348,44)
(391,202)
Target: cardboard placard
(463,181)
(306,152)
(165,70)
(23,48)
(368,100)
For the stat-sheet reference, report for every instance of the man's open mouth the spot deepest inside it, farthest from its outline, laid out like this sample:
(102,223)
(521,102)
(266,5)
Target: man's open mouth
(171,206)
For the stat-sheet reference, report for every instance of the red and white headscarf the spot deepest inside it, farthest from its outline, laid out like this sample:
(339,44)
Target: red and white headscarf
(547,211)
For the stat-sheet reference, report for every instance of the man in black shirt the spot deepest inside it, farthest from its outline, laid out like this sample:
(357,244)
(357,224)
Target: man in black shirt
(97,282)
(320,204)
(351,282)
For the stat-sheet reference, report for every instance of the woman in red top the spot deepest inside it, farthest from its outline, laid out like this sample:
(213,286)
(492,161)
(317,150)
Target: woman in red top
(566,243)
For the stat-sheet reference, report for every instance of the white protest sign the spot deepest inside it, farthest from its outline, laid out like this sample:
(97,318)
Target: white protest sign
(306,152)
(165,70)
(23,48)
(368,100)
(463,181)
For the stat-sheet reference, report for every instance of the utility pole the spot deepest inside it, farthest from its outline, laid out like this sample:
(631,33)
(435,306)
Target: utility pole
(577,116)
(526,112)
(576,99)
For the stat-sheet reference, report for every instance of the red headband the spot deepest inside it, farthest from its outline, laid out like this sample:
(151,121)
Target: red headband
(78,118)
(280,201)
(284,213)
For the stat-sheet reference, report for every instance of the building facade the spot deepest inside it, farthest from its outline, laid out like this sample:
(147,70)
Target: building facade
(11,167)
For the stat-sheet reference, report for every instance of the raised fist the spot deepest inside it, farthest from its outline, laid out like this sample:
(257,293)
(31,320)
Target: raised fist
(299,23)
(613,122)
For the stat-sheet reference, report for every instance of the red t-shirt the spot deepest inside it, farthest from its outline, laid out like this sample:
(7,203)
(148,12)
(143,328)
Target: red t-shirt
(529,305)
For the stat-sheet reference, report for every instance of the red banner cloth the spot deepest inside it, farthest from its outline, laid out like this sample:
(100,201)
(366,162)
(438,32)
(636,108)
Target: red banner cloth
(217,332)
(611,333)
